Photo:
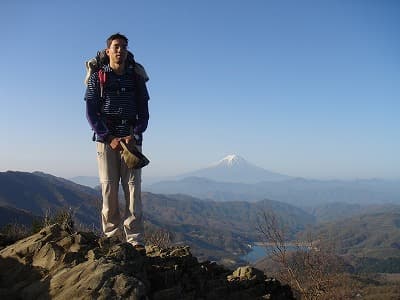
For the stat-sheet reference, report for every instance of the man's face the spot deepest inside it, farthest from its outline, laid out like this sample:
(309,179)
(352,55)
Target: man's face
(117,51)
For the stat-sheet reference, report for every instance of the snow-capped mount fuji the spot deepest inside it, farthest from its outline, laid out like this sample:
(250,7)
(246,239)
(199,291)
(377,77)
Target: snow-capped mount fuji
(232,160)
(234,168)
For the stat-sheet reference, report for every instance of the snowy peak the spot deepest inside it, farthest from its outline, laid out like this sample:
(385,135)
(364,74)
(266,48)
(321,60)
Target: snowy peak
(234,168)
(232,160)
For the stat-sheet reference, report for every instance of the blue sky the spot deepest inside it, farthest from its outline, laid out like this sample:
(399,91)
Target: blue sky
(304,88)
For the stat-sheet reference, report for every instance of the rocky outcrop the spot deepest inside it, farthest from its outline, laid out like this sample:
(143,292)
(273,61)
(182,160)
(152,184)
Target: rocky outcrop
(56,264)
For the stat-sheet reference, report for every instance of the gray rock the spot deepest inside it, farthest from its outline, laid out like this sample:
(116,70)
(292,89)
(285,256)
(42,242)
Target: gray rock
(55,264)
(247,273)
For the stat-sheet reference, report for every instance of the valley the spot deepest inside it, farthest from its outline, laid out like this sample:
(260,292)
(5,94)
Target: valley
(365,235)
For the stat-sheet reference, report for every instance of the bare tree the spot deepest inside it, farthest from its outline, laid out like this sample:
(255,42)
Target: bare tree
(309,267)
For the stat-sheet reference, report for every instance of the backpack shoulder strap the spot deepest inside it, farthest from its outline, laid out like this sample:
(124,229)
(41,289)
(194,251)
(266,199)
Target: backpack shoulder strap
(102,80)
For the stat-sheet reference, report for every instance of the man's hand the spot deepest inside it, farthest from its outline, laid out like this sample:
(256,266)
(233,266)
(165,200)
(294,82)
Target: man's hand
(114,144)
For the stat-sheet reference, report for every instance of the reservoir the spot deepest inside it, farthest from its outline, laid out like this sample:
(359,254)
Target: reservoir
(258,252)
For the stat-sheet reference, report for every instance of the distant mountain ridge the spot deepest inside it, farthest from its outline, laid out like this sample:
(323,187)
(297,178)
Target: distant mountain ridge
(11,215)
(219,229)
(372,237)
(234,168)
(240,216)
(214,230)
(235,179)
(38,192)
(297,191)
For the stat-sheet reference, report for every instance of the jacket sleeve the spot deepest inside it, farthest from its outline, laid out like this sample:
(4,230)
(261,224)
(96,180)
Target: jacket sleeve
(142,118)
(93,106)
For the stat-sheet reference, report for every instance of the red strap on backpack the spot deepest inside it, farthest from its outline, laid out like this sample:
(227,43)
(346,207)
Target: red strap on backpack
(102,80)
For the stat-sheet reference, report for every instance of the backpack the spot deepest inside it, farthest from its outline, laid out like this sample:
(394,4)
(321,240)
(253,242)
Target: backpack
(96,63)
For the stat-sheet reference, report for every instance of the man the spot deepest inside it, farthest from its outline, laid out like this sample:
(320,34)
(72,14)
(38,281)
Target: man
(117,111)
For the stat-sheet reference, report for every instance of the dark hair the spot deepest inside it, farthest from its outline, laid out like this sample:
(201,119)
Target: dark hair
(116,36)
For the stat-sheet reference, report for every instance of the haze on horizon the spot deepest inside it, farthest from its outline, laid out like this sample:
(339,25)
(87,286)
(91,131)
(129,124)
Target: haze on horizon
(307,89)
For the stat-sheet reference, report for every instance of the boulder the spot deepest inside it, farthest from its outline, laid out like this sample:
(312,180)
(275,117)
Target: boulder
(57,264)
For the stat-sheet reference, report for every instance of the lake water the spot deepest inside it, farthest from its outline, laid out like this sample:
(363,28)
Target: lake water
(259,252)
(256,253)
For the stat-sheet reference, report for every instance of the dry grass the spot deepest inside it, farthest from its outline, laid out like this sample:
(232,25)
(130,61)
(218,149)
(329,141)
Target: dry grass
(158,237)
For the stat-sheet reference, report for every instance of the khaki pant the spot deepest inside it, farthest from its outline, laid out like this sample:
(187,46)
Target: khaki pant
(112,170)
